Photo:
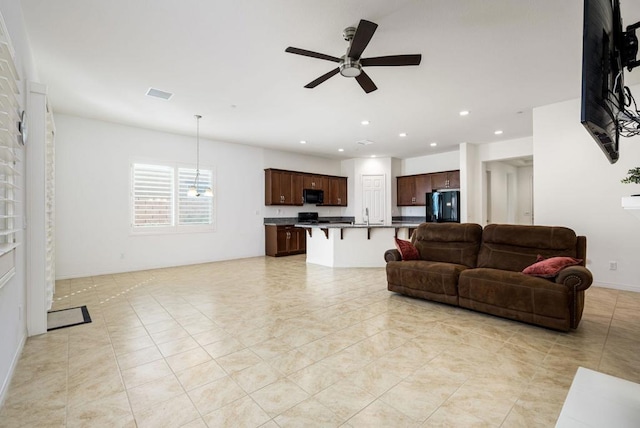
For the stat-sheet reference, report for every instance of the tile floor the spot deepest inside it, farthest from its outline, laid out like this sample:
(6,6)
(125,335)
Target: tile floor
(276,343)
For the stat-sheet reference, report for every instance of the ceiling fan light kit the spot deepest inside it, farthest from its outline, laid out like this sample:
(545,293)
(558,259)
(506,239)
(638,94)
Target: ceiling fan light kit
(350,68)
(350,65)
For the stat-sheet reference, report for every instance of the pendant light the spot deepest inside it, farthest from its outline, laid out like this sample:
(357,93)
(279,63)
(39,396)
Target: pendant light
(193,190)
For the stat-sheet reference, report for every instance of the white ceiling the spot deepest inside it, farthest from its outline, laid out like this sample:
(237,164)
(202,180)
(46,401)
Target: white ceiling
(226,61)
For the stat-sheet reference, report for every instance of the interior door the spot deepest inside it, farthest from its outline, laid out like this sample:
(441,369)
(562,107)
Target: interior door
(373,197)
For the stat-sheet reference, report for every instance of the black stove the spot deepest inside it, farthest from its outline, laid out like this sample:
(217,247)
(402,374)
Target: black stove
(308,218)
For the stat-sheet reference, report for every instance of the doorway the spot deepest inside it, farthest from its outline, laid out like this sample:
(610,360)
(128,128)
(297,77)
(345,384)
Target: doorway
(508,191)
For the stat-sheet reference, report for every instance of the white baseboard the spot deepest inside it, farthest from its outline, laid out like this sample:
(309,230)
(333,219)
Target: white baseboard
(622,287)
(7,381)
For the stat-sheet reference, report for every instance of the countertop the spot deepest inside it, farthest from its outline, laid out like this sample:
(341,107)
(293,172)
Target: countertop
(355,225)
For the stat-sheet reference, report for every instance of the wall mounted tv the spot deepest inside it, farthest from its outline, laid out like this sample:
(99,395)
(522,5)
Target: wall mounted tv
(608,109)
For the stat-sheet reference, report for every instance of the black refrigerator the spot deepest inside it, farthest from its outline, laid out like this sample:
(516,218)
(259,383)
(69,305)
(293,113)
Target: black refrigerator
(443,207)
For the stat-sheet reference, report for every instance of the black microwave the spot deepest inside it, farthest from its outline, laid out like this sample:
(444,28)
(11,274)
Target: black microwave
(312,196)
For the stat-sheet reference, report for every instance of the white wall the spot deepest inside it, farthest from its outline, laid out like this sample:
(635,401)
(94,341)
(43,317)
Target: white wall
(92,198)
(468,176)
(93,236)
(446,161)
(575,186)
(524,213)
(13,328)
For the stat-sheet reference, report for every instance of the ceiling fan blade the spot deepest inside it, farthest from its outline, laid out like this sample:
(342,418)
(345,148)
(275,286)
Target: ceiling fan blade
(322,78)
(366,83)
(391,60)
(361,39)
(312,54)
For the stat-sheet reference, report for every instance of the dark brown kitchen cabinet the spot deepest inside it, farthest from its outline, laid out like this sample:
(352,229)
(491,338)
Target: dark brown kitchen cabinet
(284,240)
(406,190)
(412,189)
(312,181)
(335,192)
(423,186)
(454,179)
(445,180)
(282,187)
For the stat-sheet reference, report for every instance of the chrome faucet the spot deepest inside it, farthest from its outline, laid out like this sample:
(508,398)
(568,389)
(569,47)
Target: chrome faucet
(366,213)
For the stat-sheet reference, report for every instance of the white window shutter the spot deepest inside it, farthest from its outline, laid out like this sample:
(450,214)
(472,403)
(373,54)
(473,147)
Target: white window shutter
(194,210)
(152,196)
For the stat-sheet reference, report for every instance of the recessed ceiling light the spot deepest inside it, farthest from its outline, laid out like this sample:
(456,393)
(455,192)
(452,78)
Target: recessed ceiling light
(464,113)
(341,150)
(433,144)
(303,142)
(403,134)
(373,156)
(498,132)
(152,92)
(365,122)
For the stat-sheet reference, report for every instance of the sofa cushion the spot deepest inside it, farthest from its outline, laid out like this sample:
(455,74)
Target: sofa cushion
(551,267)
(448,242)
(425,279)
(514,247)
(516,296)
(407,250)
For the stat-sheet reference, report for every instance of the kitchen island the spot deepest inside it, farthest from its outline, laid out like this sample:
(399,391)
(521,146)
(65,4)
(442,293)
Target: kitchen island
(352,245)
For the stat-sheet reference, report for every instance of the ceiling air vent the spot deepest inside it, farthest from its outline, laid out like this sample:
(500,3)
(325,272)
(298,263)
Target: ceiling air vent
(152,92)
(364,142)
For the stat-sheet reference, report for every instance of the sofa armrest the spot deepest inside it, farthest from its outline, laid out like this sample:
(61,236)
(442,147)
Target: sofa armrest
(575,276)
(392,255)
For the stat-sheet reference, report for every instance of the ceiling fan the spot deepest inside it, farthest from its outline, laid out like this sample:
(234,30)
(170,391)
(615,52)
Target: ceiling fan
(350,64)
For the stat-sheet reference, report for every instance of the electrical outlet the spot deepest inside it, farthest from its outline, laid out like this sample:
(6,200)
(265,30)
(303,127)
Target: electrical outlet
(613,265)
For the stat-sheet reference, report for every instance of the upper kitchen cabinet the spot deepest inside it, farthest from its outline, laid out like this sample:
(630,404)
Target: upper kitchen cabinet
(313,181)
(406,190)
(445,180)
(412,189)
(282,187)
(335,192)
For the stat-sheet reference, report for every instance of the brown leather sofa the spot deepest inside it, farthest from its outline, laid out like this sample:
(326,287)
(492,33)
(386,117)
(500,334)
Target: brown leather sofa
(481,269)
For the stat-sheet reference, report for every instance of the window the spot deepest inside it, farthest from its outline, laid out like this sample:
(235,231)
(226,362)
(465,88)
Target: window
(152,195)
(160,201)
(11,153)
(193,210)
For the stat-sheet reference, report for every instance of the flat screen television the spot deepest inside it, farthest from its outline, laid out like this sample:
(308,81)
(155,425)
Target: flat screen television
(606,50)
(602,74)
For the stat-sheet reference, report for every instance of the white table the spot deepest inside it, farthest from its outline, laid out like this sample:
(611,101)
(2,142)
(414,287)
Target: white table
(598,400)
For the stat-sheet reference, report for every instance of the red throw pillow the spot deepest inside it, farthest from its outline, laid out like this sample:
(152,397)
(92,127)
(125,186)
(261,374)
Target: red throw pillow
(407,250)
(548,268)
